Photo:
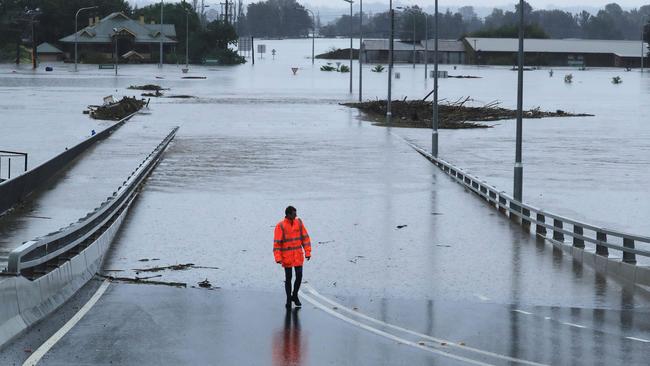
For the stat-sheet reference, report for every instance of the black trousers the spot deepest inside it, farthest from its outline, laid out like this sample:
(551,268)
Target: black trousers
(287,281)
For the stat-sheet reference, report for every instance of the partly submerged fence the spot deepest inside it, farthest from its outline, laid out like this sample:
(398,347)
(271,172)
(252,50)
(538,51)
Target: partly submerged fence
(589,243)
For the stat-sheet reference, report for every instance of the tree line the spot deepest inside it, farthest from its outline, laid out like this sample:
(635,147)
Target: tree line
(611,22)
(55,19)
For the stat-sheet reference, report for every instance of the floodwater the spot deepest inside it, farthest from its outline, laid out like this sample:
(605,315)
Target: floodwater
(391,233)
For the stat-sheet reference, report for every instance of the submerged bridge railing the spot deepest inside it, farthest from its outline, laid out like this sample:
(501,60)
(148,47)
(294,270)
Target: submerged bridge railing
(37,257)
(551,226)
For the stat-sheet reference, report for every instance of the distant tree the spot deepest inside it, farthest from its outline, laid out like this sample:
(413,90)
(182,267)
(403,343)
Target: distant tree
(511,31)
(278,18)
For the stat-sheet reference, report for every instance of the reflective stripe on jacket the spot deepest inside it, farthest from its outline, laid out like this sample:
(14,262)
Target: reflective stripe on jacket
(291,243)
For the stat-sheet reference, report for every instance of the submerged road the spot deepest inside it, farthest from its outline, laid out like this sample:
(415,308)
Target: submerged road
(407,268)
(80,187)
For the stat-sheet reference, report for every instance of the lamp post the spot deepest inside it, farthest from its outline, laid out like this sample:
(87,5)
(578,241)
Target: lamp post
(313,33)
(75,32)
(426,46)
(360,50)
(351,35)
(519,167)
(389,113)
(32,14)
(643,28)
(160,64)
(434,119)
(187,38)
(115,31)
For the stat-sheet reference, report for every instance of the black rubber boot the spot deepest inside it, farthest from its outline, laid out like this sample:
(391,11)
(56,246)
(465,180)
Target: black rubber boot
(295,300)
(287,290)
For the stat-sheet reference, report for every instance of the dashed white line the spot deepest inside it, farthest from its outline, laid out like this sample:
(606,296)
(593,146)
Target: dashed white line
(638,339)
(522,312)
(45,347)
(574,325)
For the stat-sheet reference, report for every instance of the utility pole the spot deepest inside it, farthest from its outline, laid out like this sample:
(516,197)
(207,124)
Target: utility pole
(519,167)
(160,65)
(390,61)
(426,46)
(360,50)
(351,45)
(434,120)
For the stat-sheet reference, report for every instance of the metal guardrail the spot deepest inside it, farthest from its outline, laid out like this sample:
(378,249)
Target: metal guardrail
(40,251)
(548,225)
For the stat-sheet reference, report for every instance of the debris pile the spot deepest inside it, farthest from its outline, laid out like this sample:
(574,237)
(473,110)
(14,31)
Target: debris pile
(149,87)
(117,110)
(452,115)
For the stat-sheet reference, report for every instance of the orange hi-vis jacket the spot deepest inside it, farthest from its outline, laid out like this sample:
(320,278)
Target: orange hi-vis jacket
(289,240)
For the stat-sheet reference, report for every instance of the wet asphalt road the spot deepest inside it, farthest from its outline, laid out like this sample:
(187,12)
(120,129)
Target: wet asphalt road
(254,142)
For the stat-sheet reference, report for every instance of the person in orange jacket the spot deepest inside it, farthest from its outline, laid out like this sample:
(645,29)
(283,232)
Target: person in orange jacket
(291,244)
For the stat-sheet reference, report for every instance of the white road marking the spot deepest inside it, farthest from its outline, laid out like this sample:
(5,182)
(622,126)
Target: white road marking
(638,339)
(388,335)
(522,312)
(574,325)
(419,335)
(45,347)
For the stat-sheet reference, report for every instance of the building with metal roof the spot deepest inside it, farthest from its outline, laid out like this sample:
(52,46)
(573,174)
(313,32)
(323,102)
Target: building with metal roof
(449,51)
(48,53)
(557,52)
(131,35)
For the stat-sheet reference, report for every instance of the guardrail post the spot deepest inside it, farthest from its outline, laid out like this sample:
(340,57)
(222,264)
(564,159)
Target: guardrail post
(540,229)
(627,256)
(525,213)
(578,242)
(601,249)
(502,205)
(557,234)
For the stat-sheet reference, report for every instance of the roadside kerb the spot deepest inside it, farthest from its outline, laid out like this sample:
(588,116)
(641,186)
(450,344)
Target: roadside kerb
(590,249)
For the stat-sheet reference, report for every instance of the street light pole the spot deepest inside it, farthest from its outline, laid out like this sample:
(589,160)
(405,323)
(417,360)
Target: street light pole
(413,39)
(187,39)
(434,119)
(390,62)
(426,46)
(519,167)
(160,64)
(115,30)
(351,36)
(75,33)
(313,33)
(360,50)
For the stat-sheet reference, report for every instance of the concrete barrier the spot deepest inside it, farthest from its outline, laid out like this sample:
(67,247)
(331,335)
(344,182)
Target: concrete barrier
(18,188)
(25,301)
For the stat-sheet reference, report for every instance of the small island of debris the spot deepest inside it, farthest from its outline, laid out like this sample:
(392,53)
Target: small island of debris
(452,115)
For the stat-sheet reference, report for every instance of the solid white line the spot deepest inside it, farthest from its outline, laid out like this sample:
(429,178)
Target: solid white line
(420,335)
(522,312)
(638,339)
(388,335)
(574,325)
(45,347)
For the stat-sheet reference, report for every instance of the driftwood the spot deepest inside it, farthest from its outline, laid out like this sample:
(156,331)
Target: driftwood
(151,87)
(452,114)
(117,110)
